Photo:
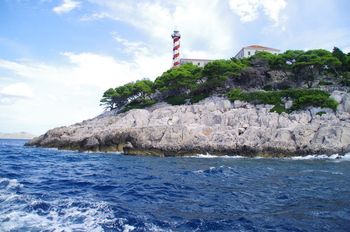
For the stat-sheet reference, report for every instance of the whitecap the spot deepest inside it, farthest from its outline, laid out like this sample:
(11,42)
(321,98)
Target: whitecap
(17,212)
(128,228)
(322,171)
(333,157)
(10,183)
(342,158)
(155,228)
(198,171)
(346,157)
(209,156)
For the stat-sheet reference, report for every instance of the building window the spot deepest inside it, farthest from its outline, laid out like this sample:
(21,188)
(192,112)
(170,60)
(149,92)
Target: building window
(199,64)
(248,53)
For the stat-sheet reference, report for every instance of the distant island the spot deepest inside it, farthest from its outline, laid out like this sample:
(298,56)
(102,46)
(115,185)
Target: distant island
(19,135)
(293,103)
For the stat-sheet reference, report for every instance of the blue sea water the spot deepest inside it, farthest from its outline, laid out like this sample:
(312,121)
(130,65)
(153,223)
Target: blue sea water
(51,190)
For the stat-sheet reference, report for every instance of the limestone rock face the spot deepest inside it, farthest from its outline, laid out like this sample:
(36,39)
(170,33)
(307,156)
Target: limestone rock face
(214,125)
(344,100)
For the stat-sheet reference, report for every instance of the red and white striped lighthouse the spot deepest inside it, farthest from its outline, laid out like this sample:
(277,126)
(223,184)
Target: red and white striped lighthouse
(176,48)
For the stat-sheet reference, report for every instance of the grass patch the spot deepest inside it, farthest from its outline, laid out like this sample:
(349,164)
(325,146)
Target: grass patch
(302,98)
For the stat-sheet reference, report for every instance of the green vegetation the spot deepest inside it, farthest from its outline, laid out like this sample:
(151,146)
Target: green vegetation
(325,82)
(321,113)
(218,71)
(303,71)
(302,98)
(131,93)
(345,80)
(176,100)
(139,104)
(187,83)
(180,80)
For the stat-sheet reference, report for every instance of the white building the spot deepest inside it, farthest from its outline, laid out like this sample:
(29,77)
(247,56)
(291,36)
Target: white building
(252,49)
(199,62)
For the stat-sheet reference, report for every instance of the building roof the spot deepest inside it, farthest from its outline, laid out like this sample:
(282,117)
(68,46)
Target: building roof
(258,47)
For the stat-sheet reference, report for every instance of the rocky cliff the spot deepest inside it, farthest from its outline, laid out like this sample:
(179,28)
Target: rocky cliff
(214,125)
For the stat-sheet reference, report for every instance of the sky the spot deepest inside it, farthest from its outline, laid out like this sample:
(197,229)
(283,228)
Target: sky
(57,57)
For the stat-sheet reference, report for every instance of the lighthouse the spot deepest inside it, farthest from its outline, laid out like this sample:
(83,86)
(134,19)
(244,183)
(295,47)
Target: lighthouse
(176,48)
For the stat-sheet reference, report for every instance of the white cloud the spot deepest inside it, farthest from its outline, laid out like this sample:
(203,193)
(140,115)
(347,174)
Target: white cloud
(346,50)
(273,8)
(66,6)
(98,71)
(131,47)
(70,92)
(201,23)
(97,16)
(248,10)
(17,90)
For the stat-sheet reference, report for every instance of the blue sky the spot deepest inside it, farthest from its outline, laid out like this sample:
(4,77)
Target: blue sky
(57,57)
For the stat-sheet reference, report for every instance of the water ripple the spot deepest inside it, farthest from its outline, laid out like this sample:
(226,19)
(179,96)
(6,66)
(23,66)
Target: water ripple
(51,190)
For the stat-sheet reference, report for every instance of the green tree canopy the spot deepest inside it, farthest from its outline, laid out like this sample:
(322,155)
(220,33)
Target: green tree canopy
(217,72)
(309,65)
(179,80)
(343,58)
(122,95)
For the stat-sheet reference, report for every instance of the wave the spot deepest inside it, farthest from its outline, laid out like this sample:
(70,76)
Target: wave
(21,212)
(322,171)
(221,170)
(10,184)
(209,156)
(334,157)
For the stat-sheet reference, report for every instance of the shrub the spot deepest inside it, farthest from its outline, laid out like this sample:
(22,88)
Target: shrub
(262,97)
(198,97)
(321,113)
(235,94)
(278,108)
(176,100)
(323,82)
(302,98)
(268,88)
(345,79)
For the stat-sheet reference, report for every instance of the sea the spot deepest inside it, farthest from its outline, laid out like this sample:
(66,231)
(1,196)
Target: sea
(53,190)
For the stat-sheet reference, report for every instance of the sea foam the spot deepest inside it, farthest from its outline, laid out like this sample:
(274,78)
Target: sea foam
(22,212)
(335,157)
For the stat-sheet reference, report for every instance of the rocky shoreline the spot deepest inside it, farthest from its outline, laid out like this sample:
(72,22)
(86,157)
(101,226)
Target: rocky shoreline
(214,125)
